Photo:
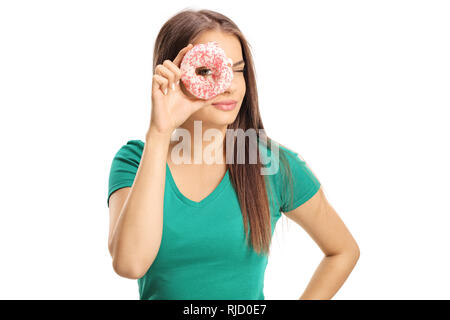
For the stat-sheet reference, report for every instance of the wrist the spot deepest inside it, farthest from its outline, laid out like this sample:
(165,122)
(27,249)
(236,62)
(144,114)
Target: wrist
(154,133)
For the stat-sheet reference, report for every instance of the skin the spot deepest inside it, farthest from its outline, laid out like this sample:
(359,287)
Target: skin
(136,212)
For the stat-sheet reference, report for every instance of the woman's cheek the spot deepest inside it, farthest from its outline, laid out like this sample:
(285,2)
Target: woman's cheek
(241,83)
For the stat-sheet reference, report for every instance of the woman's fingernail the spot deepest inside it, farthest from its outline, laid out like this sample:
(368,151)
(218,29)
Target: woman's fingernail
(173,86)
(165,91)
(178,82)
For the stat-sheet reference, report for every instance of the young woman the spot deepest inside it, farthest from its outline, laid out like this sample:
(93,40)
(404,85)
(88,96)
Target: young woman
(202,231)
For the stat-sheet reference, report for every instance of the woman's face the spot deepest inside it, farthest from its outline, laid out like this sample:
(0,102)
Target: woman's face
(209,114)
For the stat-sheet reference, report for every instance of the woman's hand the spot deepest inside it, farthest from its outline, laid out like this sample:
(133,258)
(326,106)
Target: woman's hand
(170,105)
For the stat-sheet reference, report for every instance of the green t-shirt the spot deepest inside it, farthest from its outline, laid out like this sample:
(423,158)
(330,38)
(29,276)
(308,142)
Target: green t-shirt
(203,254)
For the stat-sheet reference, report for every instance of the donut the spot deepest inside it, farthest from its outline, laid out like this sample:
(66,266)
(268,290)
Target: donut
(209,56)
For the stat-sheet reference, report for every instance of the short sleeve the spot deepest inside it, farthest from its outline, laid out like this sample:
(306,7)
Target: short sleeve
(304,183)
(124,166)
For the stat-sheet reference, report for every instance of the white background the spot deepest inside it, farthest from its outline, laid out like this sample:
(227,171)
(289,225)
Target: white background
(360,89)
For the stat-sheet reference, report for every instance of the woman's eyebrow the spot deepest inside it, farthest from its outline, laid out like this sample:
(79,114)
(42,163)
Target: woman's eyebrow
(238,63)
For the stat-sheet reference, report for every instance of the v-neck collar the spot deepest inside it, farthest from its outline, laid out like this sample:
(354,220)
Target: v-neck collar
(223,183)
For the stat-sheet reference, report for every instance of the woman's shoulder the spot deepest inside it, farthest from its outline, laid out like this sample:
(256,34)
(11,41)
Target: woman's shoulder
(281,161)
(294,180)
(133,145)
(276,148)
(132,149)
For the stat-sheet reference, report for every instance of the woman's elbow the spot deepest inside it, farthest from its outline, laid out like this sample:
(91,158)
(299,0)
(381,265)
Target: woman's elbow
(354,252)
(350,254)
(127,270)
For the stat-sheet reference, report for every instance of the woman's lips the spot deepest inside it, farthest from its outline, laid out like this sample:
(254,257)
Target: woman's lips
(225,105)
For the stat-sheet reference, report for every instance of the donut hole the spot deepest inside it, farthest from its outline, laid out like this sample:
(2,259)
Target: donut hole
(202,71)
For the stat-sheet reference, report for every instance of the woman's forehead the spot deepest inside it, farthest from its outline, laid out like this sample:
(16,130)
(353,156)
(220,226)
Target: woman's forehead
(228,42)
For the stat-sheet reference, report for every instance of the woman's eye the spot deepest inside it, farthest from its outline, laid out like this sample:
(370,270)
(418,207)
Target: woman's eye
(208,72)
(203,73)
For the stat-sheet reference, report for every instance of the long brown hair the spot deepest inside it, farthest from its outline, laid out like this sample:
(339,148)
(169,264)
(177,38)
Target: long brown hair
(249,184)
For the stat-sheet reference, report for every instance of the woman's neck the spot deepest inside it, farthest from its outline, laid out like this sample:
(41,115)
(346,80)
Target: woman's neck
(198,143)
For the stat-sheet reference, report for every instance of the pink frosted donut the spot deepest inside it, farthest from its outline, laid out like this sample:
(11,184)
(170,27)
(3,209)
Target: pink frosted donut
(209,56)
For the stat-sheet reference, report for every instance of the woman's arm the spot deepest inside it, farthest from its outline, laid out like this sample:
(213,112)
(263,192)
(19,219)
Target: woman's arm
(136,235)
(318,218)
